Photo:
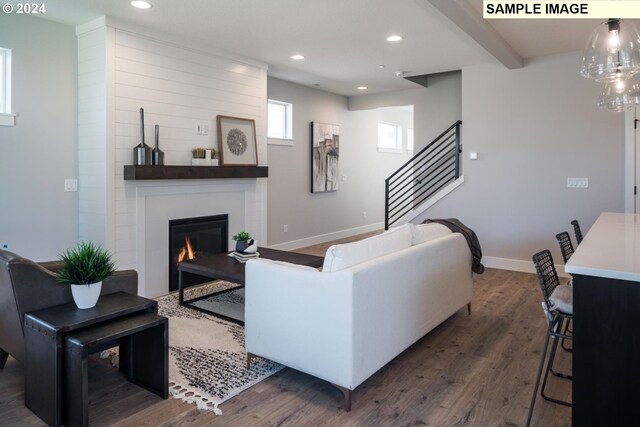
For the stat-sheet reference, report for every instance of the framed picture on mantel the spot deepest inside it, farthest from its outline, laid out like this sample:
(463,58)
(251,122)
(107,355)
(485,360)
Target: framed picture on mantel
(237,141)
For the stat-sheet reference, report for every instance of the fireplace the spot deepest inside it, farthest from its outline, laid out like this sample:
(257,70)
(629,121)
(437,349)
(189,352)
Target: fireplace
(195,237)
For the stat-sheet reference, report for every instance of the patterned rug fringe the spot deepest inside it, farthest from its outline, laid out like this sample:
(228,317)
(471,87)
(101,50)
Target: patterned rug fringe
(192,395)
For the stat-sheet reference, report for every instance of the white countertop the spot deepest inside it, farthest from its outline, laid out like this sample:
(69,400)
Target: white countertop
(610,249)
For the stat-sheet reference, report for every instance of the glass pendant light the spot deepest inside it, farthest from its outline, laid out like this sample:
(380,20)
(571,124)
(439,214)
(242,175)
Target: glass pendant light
(620,95)
(613,52)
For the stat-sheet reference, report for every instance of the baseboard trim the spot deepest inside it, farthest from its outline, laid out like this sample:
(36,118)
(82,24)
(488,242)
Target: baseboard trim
(517,265)
(323,238)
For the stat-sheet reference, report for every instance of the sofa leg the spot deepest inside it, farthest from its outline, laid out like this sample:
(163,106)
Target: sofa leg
(3,358)
(249,357)
(469,309)
(346,393)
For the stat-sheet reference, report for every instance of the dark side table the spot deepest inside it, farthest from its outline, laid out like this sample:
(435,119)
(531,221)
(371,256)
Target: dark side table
(44,332)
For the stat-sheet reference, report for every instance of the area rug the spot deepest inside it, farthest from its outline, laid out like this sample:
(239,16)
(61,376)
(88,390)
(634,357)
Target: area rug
(207,358)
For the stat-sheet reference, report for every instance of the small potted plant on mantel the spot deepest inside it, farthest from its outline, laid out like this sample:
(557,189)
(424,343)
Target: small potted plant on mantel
(84,267)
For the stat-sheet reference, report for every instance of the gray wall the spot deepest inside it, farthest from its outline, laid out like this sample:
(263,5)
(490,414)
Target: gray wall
(38,219)
(289,198)
(534,127)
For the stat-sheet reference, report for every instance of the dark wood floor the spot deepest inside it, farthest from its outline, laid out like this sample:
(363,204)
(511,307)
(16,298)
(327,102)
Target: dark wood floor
(473,370)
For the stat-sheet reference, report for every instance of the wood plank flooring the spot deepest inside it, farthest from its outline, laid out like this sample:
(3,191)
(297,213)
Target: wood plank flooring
(476,370)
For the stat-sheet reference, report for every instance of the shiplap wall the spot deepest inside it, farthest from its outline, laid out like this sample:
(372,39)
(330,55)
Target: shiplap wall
(178,86)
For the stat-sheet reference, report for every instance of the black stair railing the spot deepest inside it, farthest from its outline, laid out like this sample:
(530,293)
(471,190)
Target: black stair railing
(431,169)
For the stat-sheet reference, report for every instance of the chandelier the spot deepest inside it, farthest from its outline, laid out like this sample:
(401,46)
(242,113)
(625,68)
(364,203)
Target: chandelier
(612,56)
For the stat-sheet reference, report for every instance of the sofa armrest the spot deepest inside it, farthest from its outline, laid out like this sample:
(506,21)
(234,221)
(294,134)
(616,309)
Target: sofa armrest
(301,318)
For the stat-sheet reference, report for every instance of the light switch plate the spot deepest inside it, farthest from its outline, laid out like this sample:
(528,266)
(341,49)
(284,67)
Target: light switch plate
(473,156)
(70,185)
(577,182)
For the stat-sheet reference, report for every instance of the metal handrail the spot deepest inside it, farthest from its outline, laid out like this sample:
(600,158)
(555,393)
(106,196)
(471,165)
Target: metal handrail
(426,173)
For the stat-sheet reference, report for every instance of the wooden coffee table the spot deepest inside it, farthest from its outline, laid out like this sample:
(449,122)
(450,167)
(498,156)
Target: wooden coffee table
(223,267)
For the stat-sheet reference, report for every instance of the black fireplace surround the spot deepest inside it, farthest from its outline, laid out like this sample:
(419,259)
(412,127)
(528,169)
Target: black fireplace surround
(194,237)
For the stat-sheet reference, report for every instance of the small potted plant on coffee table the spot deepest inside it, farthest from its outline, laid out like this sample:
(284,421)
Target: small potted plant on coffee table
(84,267)
(242,241)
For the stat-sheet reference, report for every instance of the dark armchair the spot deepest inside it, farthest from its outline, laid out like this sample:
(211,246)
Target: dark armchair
(26,286)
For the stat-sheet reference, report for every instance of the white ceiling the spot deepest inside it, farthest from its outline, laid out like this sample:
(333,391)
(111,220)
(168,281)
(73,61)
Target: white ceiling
(343,40)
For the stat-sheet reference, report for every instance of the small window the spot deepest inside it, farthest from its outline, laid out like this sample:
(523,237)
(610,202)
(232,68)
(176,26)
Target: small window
(5,81)
(6,118)
(389,138)
(279,121)
(409,141)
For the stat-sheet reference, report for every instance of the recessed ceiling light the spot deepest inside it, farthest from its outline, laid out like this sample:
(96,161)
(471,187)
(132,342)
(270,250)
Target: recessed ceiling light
(141,4)
(381,66)
(362,88)
(297,57)
(394,38)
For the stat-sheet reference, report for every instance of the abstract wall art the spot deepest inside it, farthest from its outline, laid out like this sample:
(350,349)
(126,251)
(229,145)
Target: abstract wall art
(325,152)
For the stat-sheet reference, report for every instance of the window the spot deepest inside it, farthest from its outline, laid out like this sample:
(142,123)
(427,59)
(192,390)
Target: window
(409,141)
(389,138)
(6,119)
(279,116)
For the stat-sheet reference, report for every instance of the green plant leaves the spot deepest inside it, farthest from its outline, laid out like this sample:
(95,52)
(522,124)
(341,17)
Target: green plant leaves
(85,264)
(241,236)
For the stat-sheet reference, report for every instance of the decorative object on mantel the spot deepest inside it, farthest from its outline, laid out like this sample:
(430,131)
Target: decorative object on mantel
(157,153)
(214,159)
(325,151)
(84,267)
(142,152)
(237,141)
(612,56)
(202,157)
(243,241)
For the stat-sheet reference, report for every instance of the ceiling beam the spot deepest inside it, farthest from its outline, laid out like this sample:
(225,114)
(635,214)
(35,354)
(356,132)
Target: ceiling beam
(462,14)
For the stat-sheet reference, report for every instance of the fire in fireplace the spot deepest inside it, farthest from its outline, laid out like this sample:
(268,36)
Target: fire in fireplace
(186,251)
(190,238)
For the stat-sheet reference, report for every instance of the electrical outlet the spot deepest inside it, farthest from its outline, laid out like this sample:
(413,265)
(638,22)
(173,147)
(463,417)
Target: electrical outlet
(344,176)
(285,228)
(364,214)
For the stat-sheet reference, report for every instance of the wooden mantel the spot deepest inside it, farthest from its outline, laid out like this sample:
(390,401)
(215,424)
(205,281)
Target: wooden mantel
(132,172)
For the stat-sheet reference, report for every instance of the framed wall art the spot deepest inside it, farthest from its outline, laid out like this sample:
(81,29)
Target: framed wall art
(237,141)
(325,152)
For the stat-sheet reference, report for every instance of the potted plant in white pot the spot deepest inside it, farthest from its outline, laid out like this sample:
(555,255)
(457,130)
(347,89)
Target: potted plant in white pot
(84,267)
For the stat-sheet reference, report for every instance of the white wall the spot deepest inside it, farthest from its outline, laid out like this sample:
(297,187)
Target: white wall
(37,218)
(319,217)
(435,107)
(534,127)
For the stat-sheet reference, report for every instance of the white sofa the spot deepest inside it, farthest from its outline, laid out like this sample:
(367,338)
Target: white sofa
(373,299)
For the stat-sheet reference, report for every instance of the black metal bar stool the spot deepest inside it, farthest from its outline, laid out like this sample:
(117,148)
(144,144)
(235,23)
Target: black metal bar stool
(566,247)
(577,231)
(558,307)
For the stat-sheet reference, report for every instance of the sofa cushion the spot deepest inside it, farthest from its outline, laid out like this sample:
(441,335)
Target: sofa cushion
(425,232)
(339,257)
